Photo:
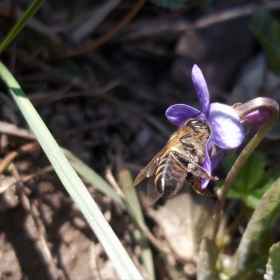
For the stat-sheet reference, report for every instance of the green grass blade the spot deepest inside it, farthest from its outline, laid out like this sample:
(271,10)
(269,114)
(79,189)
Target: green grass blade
(73,184)
(134,208)
(92,177)
(33,8)
(126,181)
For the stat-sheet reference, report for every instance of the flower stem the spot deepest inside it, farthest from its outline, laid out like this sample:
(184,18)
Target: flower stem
(243,110)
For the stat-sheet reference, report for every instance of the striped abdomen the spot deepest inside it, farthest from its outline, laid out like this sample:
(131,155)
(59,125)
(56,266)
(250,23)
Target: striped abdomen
(170,176)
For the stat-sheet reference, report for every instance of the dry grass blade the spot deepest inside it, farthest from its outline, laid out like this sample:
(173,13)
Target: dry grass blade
(12,129)
(125,189)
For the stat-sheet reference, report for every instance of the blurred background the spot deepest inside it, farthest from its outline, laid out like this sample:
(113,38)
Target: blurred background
(101,75)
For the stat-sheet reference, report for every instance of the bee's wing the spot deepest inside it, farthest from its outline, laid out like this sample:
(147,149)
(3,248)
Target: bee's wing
(152,193)
(149,169)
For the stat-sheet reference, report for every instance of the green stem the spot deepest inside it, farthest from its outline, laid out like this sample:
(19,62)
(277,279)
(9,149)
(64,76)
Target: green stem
(243,110)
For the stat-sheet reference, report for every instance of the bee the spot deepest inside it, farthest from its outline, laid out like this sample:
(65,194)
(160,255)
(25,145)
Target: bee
(178,162)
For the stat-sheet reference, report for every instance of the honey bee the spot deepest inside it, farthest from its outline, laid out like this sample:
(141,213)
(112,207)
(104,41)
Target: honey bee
(178,161)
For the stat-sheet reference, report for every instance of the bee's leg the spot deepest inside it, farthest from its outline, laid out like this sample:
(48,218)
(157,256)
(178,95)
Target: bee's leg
(200,135)
(200,172)
(196,185)
(185,138)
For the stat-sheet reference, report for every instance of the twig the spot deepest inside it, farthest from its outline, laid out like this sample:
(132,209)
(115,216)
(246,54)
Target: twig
(233,13)
(30,147)
(27,178)
(106,37)
(23,198)
(42,244)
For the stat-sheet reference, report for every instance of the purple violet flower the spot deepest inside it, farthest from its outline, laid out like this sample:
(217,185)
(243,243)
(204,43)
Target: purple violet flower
(224,122)
(255,119)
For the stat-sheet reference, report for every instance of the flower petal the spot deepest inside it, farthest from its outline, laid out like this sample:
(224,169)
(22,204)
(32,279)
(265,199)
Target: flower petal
(226,130)
(201,89)
(216,160)
(207,163)
(204,183)
(258,118)
(178,114)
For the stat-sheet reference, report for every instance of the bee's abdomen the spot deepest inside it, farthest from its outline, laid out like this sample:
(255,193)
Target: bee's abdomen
(169,176)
